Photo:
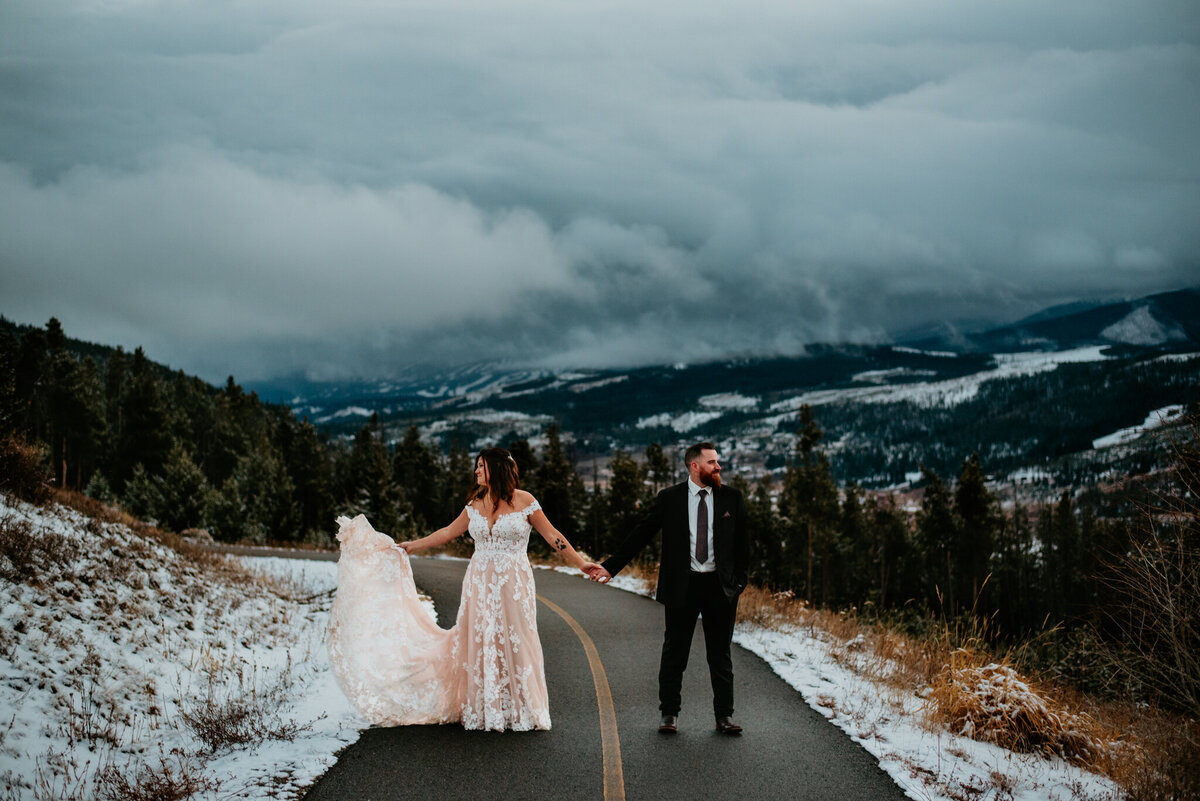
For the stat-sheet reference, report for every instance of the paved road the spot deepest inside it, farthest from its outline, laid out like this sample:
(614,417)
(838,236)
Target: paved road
(787,752)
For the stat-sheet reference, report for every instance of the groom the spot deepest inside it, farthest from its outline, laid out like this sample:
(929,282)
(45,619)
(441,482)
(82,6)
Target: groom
(705,557)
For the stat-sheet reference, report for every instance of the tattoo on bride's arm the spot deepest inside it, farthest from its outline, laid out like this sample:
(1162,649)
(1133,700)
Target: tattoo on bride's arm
(560,544)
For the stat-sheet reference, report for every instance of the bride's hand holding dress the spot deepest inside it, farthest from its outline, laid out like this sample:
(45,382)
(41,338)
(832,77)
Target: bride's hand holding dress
(398,667)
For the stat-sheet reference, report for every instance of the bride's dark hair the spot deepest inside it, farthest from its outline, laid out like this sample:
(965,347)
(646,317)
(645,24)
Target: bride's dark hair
(503,477)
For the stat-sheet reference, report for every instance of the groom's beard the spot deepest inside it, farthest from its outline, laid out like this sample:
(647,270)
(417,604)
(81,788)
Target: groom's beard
(712,479)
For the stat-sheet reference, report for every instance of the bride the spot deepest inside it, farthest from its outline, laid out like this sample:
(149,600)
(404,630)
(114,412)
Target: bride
(397,666)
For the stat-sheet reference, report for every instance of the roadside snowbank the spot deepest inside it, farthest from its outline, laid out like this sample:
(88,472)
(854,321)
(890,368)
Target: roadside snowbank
(926,761)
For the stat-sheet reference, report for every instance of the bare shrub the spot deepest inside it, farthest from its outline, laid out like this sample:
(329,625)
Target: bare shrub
(21,471)
(762,607)
(994,704)
(57,775)
(28,556)
(18,546)
(169,780)
(238,720)
(91,721)
(1157,584)
(1166,766)
(1159,652)
(93,507)
(225,715)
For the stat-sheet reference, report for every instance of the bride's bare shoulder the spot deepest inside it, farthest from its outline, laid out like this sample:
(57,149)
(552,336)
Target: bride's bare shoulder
(522,499)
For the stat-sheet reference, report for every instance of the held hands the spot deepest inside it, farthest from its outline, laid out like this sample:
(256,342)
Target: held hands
(596,572)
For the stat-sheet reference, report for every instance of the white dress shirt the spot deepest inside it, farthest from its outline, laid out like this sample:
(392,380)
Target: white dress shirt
(694,501)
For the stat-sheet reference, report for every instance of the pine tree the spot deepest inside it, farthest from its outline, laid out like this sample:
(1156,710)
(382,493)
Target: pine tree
(309,467)
(372,491)
(10,404)
(29,378)
(145,435)
(62,391)
(626,494)
(937,534)
(559,486)
(89,431)
(116,377)
(459,479)
(183,492)
(142,494)
(809,503)
(977,514)
(658,467)
(225,441)
(1064,556)
(766,546)
(896,576)
(1014,595)
(418,470)
(854,568)
(527,465)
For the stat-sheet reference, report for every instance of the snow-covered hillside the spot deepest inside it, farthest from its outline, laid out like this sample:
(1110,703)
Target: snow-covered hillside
(122,657)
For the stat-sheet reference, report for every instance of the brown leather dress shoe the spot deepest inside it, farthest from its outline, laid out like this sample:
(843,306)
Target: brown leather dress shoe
(725,725)
(667,725)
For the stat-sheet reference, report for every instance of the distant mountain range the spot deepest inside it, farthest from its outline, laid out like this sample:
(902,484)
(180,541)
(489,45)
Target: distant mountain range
(1168,319)
(1030,397)
(1064,395)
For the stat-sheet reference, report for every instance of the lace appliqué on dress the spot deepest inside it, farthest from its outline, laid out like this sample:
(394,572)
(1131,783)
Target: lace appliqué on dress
(398,667)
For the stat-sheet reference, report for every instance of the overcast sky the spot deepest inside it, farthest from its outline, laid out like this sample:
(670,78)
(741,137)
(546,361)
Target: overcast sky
(342,187)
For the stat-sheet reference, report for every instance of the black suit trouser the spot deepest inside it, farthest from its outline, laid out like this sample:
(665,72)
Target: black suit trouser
(717,611)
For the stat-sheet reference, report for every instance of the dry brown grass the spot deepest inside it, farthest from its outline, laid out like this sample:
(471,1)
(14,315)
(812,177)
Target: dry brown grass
(644,571)
(1157,757)
(1152,755)
(96,510)
(225,715)
(21,471)
(993,703)
(771,609)
(28,556)
(172,779)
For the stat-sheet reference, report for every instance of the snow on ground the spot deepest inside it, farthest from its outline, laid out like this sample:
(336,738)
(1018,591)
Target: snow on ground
(109,639)
(927,762)
(602,382)
(1155,419)
(681,423)
(942,354)
(526,425)
(1141,327)
(349,411)
(728,400)
(945,393)
(1030,475)
(884,376)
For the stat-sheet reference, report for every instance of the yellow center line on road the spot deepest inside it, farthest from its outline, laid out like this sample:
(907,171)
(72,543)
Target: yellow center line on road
(614,778)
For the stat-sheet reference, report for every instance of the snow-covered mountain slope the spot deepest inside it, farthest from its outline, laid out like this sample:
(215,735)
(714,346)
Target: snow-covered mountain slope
(122,657)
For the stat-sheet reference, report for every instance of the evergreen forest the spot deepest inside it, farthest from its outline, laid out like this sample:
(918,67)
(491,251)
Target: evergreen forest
(1092,569)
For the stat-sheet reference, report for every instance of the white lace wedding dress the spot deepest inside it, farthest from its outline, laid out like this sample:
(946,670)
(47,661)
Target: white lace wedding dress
(398,667)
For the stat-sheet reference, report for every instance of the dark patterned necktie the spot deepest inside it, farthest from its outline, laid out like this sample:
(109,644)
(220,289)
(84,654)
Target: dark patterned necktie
(702,528)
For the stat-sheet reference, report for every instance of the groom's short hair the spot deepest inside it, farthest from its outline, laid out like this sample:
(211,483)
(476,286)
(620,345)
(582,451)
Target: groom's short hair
(693,453)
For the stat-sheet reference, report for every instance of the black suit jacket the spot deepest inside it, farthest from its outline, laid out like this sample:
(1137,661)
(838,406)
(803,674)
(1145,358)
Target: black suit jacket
(669,514)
